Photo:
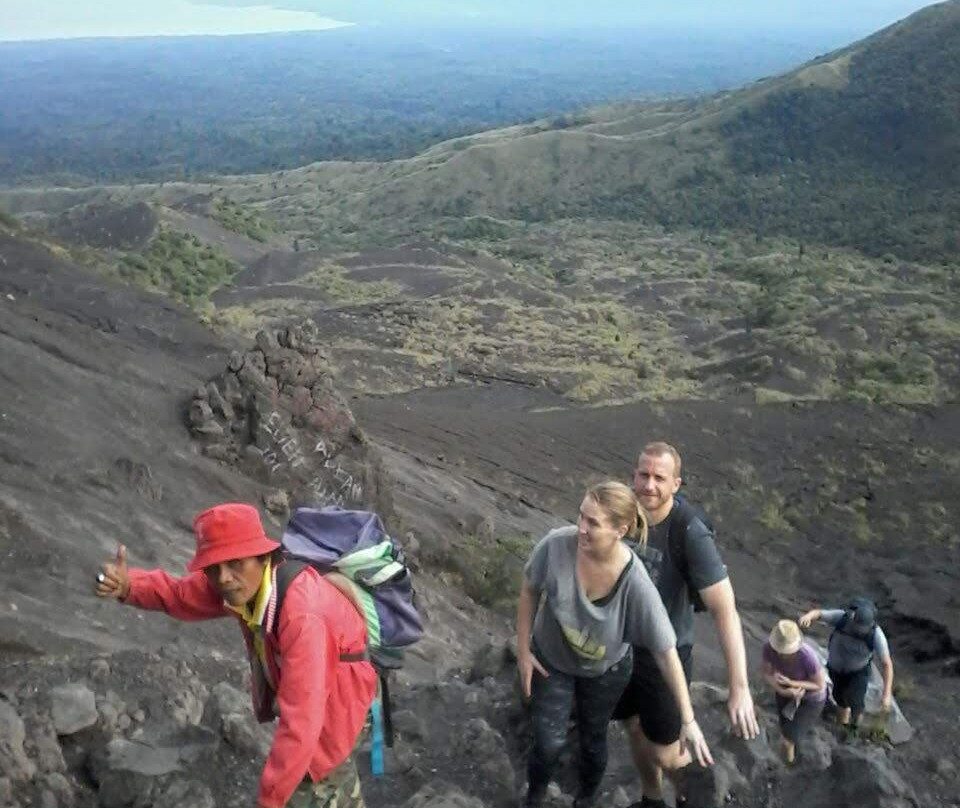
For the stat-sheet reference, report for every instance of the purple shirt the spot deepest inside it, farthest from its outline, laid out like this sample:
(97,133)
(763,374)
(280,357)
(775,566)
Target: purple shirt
(802,666)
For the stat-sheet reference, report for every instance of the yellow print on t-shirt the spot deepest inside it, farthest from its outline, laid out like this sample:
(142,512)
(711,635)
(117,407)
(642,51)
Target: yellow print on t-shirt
(582,645)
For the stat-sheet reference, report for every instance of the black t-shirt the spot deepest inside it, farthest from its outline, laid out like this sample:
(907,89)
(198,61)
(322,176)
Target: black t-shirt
(704,566)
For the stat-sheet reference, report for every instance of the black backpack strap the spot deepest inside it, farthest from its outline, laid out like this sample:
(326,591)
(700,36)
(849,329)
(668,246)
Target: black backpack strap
(870,640)
(287,570)
(387,714)
(683,514)
(677,539)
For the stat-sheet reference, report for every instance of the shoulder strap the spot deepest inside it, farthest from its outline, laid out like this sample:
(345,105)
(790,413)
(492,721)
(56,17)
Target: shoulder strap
(870,640)
(289,569)
(680,519)
(677,536)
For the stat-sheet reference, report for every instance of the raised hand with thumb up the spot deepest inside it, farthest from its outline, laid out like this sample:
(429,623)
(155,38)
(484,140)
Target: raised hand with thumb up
(112,580)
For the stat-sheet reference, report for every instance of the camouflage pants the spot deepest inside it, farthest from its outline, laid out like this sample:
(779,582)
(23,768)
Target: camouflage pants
(339,789)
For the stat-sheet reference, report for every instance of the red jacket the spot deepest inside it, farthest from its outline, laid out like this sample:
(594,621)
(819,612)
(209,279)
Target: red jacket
(322,702)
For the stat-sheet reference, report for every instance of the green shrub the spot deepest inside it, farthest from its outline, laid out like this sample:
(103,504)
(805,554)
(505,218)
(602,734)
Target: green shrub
(181,265)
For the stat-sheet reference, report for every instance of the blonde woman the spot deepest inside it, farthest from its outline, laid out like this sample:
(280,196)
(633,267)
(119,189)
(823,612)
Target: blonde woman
(797,677)
(585,600)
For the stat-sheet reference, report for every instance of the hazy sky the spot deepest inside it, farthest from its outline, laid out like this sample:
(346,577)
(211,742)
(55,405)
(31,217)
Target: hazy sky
(64,19)
(45,19)
(867,15)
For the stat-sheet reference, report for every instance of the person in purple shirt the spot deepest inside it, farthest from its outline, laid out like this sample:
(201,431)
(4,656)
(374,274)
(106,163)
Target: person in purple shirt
(797,677)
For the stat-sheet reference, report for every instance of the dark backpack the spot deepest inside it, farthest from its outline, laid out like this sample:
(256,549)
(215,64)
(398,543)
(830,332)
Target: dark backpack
(371,571)
(683,514)
(843,626)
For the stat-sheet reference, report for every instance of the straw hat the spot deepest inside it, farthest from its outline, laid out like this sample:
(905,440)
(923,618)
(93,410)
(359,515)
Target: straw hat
(786,637)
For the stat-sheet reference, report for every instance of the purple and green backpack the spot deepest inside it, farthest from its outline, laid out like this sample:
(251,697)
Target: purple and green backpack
(356,545)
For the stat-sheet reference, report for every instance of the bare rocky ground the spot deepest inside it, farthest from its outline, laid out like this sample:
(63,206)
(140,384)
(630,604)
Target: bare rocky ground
(110,431)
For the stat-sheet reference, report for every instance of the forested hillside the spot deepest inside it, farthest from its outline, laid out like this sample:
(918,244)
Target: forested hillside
(860,148)
(175,108)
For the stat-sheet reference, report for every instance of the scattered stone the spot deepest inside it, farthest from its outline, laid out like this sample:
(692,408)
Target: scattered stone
(209,429)
(109,715)
(60,788)
(859,777)
(125,772)
(99,669)
(754,758)
(267,342)
(14,763)
(73,708)
(220,406)
(816,750)
(47,751)
(482,743)
(442,795)
(200,412)
(217,452)
(188,702)
(183,793)
(228,711)
(277,502)
(713,786)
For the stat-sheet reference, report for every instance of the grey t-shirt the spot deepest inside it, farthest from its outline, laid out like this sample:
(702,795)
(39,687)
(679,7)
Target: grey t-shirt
(584,638)
(848,654)
(704,565)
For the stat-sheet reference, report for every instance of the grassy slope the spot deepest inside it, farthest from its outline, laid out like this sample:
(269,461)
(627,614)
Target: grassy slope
(860,148)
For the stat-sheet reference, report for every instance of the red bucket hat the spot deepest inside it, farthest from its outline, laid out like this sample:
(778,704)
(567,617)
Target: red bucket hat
(228,532)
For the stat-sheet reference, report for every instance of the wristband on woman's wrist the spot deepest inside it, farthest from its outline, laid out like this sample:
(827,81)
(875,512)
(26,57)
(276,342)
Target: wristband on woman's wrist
(688,723)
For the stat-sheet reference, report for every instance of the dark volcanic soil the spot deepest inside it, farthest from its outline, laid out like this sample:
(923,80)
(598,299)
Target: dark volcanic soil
(814,503)
(92,444)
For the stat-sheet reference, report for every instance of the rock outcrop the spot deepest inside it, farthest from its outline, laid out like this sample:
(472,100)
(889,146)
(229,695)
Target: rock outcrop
(275,414)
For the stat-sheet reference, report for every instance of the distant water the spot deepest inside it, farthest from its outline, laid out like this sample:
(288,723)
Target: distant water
(69,19)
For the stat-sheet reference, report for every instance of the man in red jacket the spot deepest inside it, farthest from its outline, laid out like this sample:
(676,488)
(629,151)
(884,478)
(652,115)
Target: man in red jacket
(308,663)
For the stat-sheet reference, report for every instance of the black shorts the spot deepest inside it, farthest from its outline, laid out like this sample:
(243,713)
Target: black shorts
(648,697)
(850,687)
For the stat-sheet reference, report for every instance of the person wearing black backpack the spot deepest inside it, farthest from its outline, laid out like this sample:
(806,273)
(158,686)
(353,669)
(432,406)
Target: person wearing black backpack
(682,559)
(855,641)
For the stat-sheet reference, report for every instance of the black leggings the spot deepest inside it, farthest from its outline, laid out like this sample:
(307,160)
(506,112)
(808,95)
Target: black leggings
(552,700)
(806,714)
